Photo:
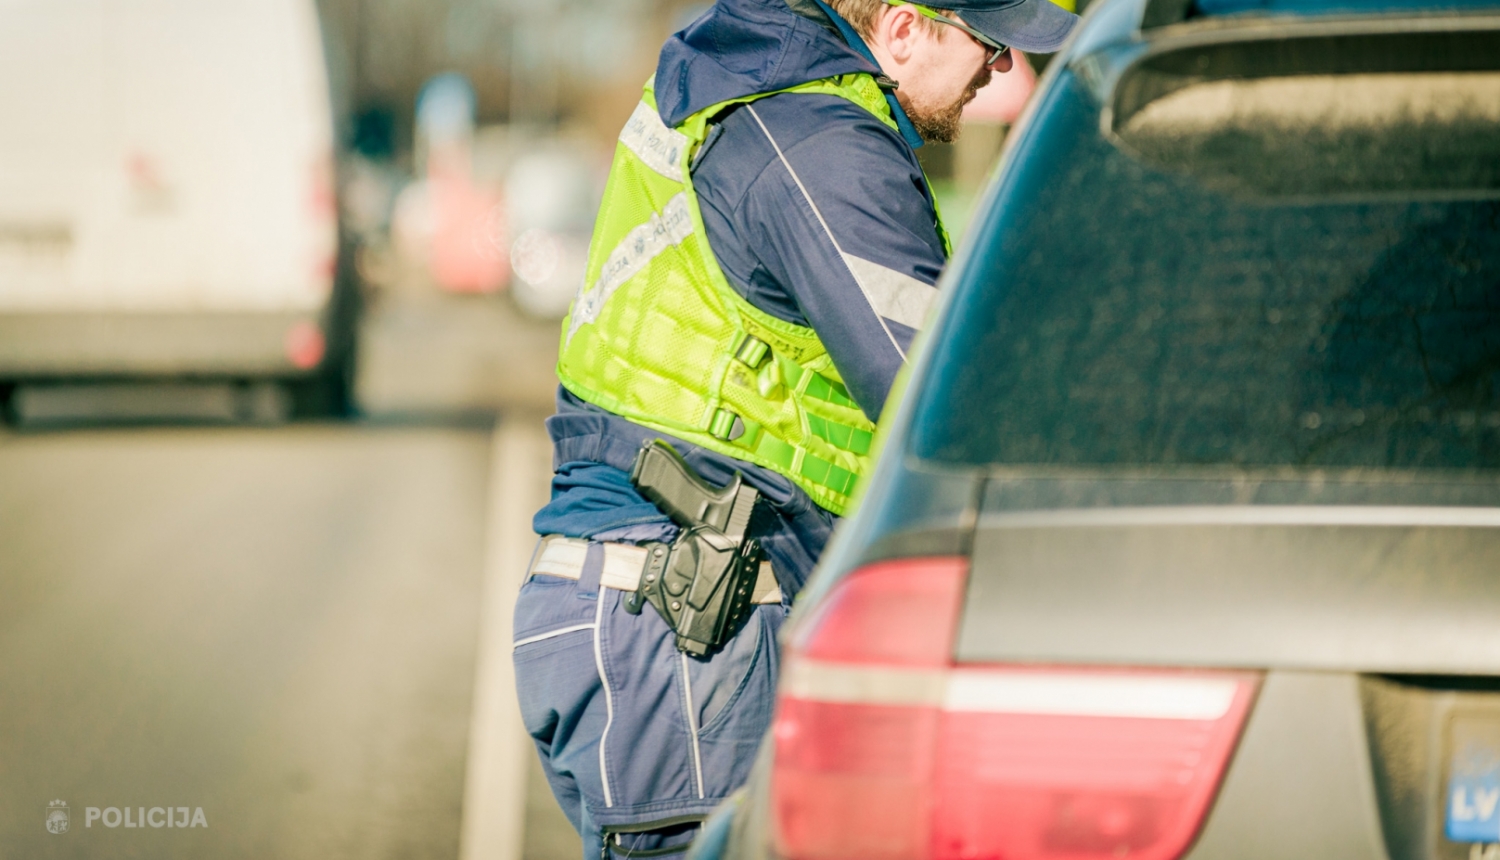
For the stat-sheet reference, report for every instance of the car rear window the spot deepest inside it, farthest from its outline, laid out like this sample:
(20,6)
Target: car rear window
(1115,313)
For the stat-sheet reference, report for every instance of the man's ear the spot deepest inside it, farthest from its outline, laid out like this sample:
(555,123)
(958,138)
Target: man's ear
(897,28)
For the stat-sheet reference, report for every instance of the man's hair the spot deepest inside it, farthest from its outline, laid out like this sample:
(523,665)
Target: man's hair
(862,14)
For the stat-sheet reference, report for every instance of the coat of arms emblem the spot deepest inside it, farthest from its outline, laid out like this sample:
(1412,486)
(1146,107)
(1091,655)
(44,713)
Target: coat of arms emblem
(57,817)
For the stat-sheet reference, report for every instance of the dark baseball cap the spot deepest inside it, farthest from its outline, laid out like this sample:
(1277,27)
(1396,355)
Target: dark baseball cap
(1039,26)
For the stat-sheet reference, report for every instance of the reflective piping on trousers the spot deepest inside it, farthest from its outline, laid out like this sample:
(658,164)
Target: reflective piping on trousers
(842,256)
(558,632)
(692,717)
(639,247)
(896,296)
(609,700)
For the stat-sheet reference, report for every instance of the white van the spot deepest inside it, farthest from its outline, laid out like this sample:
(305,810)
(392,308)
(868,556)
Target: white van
(166,188)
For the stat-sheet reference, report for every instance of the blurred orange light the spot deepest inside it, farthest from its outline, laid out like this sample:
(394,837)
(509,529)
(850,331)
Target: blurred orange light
(304,345)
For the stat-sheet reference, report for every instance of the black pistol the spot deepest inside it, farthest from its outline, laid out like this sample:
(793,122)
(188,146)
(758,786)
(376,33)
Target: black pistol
(702,582)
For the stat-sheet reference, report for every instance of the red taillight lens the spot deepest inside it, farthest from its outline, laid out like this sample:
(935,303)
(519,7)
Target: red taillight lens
(857,717)
(886,749)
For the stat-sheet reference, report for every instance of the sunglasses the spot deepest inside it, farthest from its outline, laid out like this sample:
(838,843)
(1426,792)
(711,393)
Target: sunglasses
(997,50)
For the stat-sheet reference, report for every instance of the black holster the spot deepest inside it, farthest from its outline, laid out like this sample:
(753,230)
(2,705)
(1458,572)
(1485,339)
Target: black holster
(704,581)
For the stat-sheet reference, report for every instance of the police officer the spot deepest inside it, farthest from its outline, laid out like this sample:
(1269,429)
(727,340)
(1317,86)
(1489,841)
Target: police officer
(766,250)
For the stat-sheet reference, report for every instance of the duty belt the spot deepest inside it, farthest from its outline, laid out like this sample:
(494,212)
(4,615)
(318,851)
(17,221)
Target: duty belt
(704,582)
(623,564)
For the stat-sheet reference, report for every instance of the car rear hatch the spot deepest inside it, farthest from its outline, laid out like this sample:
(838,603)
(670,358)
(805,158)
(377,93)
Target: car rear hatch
(1265,289)
(1227,589)
(1375,626)
(1268,660)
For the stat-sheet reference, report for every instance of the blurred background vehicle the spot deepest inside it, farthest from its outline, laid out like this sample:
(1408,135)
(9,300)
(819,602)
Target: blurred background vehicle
(254,210)
(167,200)
(1185,538)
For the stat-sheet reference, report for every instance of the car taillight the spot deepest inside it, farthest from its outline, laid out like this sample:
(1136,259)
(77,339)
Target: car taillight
(885,748)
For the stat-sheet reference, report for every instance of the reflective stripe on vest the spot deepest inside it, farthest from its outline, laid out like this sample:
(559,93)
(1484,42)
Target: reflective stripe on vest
(658,335)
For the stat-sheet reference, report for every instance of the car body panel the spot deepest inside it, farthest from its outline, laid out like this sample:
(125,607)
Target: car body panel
(917,510)
(1380,589)
(1300,784)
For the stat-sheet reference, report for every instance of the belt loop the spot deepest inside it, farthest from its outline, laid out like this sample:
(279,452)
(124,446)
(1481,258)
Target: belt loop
(536,553)
(593,569)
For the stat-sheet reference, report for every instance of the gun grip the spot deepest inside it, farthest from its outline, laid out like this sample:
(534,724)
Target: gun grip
(664,477)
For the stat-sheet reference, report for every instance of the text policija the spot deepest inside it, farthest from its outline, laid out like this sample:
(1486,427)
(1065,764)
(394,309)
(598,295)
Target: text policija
(140,816)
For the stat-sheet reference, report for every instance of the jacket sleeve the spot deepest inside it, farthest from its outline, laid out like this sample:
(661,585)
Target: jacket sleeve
(840,218)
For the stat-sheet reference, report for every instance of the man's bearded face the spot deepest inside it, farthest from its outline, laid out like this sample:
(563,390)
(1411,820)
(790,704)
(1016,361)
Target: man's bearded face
(941,123)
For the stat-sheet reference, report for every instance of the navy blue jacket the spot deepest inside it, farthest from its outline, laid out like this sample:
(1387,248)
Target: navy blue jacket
(817,211)
(818,214)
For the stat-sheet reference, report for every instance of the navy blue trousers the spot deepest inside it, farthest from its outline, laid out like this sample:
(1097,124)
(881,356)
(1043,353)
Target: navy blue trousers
(638,740)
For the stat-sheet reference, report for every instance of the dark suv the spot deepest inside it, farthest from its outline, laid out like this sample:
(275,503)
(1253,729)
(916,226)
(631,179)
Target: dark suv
(1186,537)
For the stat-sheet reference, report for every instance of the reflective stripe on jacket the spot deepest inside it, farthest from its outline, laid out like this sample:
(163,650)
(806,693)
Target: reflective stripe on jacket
(657,335)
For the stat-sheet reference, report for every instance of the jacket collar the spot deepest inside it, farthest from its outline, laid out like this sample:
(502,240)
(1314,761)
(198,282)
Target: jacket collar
(750,47)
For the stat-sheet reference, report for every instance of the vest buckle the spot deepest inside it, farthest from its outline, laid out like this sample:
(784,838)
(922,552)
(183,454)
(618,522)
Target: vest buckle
(726,425)
(752,352)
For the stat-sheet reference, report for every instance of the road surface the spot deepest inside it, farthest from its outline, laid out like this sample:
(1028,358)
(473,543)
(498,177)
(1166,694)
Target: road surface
(278,627)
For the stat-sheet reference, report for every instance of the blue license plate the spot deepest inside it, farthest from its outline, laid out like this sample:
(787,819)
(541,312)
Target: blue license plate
(1473,802)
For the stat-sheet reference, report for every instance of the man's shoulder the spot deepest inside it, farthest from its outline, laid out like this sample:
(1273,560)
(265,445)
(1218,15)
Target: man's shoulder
(816,132)
(792,118)
(755,136)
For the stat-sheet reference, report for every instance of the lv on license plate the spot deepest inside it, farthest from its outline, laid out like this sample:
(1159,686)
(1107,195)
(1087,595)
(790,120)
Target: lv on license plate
(1472,810)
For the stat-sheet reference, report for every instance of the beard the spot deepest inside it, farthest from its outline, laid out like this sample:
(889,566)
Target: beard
(942,124)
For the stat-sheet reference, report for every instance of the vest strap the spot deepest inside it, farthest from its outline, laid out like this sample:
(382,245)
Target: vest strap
(852,439)
(819,387)
(812,468)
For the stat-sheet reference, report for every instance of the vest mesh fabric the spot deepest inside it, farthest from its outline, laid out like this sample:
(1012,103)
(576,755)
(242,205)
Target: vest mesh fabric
(658,335)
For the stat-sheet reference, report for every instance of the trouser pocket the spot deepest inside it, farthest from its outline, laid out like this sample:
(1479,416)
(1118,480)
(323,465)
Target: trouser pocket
(669,838)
